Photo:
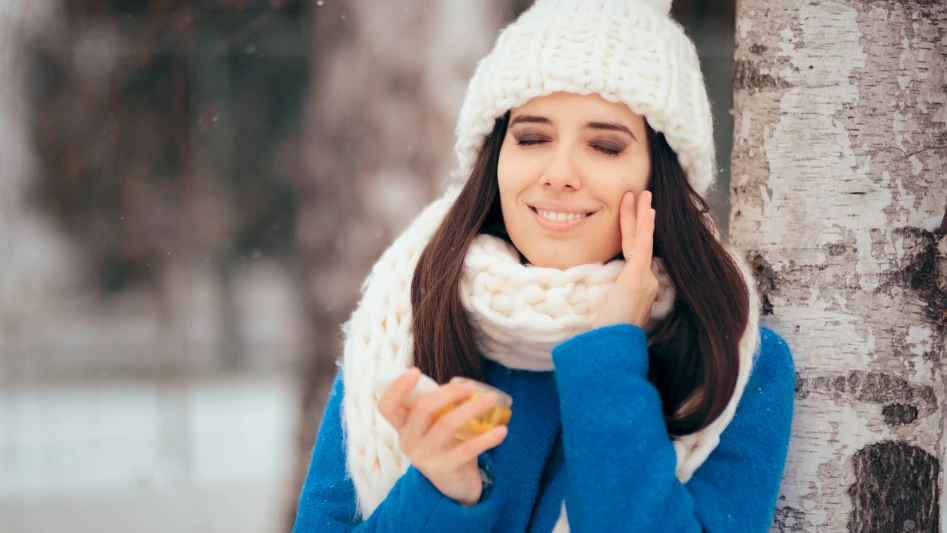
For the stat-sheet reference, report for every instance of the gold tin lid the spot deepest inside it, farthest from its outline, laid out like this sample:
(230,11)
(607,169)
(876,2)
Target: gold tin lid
(482,388)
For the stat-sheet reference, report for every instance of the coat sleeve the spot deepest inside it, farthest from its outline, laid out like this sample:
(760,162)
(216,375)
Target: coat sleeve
(328,502)
(621,463)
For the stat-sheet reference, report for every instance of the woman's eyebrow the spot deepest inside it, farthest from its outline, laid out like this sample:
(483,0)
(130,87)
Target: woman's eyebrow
(610,126)
(607,126)
(530,119)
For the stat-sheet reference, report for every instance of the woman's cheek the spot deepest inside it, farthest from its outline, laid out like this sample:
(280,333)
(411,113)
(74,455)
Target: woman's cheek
(511,173)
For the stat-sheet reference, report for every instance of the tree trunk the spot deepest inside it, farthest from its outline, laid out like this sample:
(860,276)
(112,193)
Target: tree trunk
(389,79)
(34,256)
(838,193)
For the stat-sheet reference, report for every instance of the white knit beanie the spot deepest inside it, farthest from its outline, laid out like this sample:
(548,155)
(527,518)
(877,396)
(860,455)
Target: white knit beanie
(628,51)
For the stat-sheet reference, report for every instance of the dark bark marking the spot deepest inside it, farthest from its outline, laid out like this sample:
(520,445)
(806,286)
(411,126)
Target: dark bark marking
(870,387)
(918,2)
(922,273)
(758,49)
(836,250)
(942,229)
(899,414)
(765,281)
(747,75)
(922,150)
(895,489)
(790,519)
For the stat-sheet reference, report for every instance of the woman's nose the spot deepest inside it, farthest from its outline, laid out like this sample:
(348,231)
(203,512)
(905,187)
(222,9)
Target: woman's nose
(561,172)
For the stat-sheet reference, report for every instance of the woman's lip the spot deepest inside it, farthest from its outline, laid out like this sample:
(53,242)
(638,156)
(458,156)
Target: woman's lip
(558,226)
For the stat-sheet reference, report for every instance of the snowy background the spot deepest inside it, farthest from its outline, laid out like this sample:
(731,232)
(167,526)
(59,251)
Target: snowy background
(177,248)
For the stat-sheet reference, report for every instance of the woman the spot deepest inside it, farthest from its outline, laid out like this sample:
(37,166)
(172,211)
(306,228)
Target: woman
(578,271)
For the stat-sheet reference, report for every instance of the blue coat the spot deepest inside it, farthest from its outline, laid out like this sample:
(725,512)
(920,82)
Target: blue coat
(591,432)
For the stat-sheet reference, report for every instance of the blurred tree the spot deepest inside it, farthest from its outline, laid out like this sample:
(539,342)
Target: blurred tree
(168,131)
(27,242)
(516,7)
(390,80)
(838,193)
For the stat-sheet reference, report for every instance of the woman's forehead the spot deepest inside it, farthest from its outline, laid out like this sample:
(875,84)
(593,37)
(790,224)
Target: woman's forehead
(570,107)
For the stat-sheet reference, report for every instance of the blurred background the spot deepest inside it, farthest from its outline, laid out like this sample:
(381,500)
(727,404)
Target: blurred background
(190,196)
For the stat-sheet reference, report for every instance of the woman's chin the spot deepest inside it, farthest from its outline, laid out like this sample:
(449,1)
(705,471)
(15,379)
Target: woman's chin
(563,260)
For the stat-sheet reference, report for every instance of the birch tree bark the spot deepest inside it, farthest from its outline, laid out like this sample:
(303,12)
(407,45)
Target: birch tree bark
(389,78)
(838,193)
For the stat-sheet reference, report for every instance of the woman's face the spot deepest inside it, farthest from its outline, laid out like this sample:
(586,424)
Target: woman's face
(564,165)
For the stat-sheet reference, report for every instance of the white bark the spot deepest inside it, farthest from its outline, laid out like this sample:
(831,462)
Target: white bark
(839,181)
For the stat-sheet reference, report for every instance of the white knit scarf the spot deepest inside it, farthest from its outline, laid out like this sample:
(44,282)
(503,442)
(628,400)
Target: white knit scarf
(518,312)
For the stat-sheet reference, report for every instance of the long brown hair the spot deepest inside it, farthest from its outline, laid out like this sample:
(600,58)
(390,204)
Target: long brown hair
(693,353)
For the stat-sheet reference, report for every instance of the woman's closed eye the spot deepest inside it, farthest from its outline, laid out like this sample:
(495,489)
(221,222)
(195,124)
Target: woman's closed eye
(610,149)
(529,140)
(606,148)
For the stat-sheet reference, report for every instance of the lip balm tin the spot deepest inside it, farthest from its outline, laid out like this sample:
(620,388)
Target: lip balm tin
(499,414)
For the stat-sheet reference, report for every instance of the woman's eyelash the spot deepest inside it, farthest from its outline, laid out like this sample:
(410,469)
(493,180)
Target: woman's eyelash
(611,152)
(605,150)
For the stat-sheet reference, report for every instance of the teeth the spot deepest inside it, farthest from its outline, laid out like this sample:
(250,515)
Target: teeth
(560,217)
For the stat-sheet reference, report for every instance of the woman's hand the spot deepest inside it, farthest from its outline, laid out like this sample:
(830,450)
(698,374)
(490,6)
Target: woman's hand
(448,463)
(636,287)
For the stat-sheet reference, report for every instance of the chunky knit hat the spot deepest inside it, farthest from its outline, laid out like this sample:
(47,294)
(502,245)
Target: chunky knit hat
(627,51)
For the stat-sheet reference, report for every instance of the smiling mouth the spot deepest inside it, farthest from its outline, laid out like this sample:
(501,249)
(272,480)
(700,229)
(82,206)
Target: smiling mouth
(554,216)
(559,221)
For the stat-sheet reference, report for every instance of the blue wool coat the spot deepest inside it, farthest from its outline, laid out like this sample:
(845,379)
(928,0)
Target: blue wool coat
(591,432)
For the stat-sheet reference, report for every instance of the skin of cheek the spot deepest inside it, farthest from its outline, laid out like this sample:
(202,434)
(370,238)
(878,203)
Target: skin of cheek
(596,182)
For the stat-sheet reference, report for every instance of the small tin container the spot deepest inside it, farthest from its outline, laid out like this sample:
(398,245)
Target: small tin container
(498,415)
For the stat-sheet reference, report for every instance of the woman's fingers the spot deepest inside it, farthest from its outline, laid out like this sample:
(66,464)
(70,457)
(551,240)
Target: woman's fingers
(628,222)
(470,450)
(391,404)
(423,411)
(443,430)
(644,238)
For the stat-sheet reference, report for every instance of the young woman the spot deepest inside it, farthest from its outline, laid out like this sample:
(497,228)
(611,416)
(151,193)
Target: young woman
(577,270)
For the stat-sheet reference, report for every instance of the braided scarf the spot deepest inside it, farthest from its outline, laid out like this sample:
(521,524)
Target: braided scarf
(518,313)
